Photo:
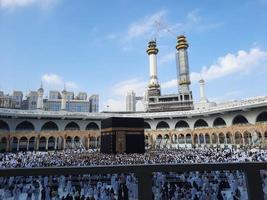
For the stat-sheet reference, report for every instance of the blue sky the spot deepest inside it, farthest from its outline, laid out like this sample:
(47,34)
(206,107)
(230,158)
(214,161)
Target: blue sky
(99,46)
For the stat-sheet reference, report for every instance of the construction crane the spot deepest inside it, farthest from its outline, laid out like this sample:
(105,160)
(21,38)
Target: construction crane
(159,25)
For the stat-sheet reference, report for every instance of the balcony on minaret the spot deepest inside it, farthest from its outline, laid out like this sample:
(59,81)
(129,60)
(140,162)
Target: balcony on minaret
(181,42)
(152,48)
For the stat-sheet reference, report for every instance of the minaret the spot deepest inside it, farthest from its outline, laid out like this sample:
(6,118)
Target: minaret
(153,87)
(40,98)
(202,91)
(63,98)
(182,64)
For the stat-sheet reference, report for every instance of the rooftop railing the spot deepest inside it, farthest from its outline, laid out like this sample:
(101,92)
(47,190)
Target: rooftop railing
(144,173)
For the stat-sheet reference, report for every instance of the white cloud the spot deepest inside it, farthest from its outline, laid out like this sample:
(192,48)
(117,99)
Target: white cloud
(54,81)
(169,84)
(234,63)
(11,4)
(117,102)
(229,96)
(123,87)
(168,57)
(230,64)
(72,85)
(145,25)
(194,22)
(158,25)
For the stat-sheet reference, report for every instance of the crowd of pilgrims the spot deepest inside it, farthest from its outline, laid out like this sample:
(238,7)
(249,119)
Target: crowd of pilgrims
(160,156)
(72,187)
(222,185)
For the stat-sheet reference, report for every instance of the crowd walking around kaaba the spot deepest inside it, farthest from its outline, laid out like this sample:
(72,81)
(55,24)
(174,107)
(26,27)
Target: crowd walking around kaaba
(222,185)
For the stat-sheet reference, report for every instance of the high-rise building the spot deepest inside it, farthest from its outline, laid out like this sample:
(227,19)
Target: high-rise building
(131,101)
(18,97)
(81,96)
(40,102)
(94,103)
(57,101)
(31,101)
(54,95)
(67,101)
(6,101)
(69,96)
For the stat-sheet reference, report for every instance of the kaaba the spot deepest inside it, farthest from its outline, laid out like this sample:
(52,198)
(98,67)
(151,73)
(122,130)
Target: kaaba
(122,135)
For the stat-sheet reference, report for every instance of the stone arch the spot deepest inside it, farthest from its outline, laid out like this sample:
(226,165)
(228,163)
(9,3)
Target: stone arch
(158,140)
(23,141)
(3,144)
(188,138)
(238,138)
(181,139)
(214,138)
(247,138)
(51,143)
(181,125)
(60,143)
(42,143)
(77,142)
(221,138)
(159,136)
(4,127)
(219,122)
(174,138)
(76,139)
(69,142)
(229,139)
(32,143)
(98,141)
(166,137)
(147,125)
(25,126)
(14,144)
(49,126)
(72,126)
(259,135)
(195,139)
(84,142)
(207,138)
(163,125)
(262,117)
(146,140)
(93,141)
(200,123)
(201,138)
(92,126)
(239,119)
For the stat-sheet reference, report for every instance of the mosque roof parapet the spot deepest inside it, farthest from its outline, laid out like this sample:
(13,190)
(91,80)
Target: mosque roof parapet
(247,103)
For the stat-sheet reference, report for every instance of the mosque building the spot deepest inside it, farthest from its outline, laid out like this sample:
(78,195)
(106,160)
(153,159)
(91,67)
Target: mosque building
(172,121)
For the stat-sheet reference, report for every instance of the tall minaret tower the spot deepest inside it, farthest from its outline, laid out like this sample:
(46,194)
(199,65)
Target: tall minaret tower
(63,98)
(40,98)
(153,87)
(203,98)
(183,68)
